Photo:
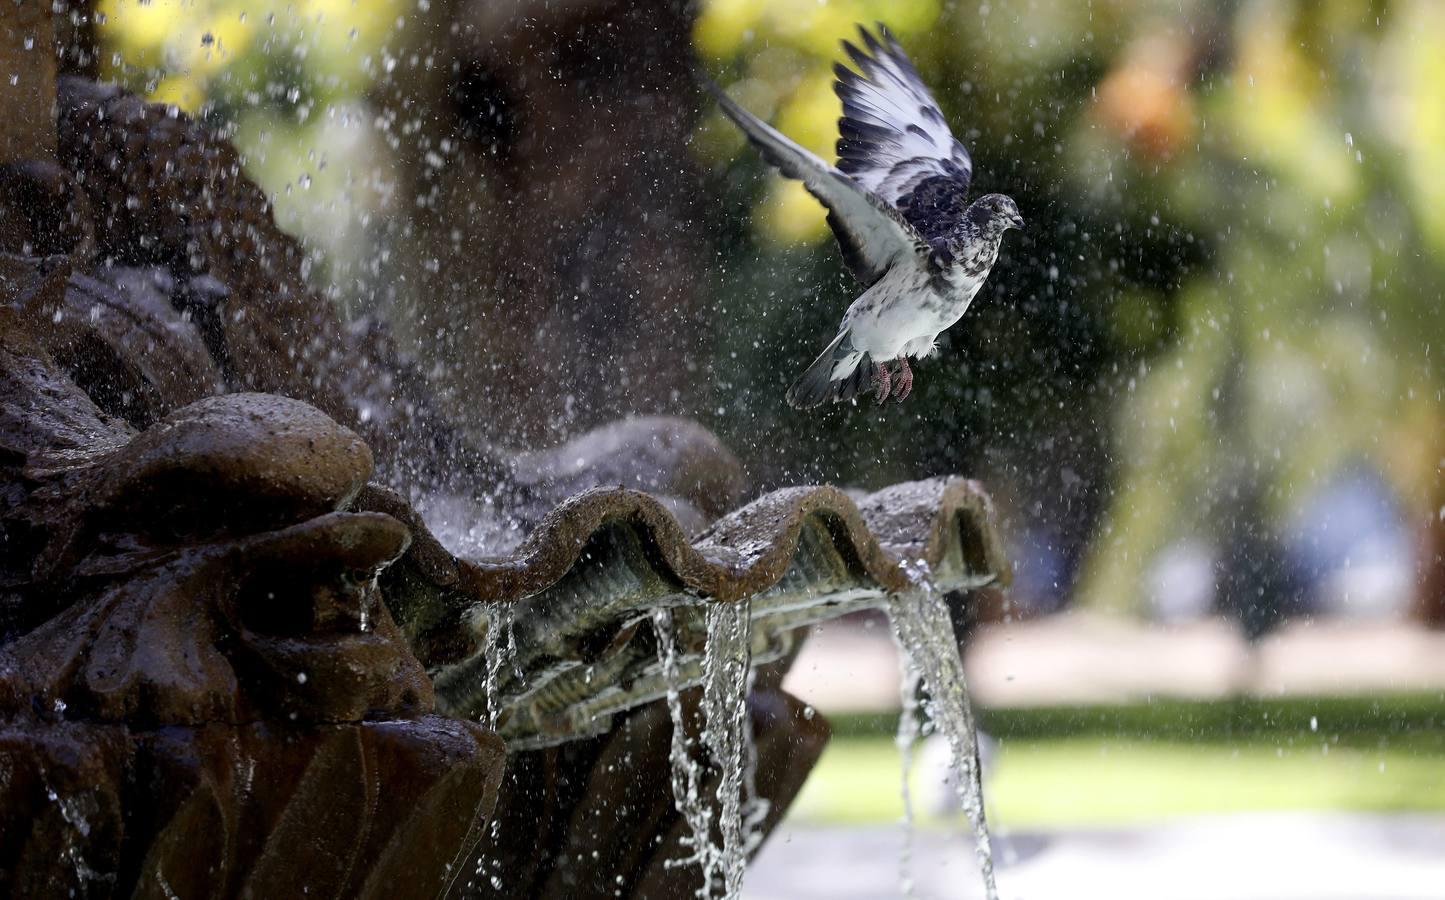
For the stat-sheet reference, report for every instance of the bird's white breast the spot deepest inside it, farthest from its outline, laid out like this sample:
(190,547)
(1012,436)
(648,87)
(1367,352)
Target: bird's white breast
(906,305)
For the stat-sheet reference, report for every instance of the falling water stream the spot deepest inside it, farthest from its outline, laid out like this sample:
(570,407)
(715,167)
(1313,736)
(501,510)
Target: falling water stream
(499,648)
(727,737)
(726,666)
(686,774)
(929,652)
(907,738)
(723,834)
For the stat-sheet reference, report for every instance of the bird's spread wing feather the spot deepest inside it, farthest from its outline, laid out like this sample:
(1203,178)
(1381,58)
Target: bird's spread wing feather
(871,232)
(892,138)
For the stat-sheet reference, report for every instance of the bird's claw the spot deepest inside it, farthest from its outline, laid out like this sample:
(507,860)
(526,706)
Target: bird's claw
(903,380)
(881,378)
(893,377)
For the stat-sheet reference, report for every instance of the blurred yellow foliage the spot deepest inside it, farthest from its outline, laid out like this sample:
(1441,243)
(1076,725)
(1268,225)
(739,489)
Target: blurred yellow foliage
(1415,109)
(183,91)
(1277,109)
(189,46)
(789,214)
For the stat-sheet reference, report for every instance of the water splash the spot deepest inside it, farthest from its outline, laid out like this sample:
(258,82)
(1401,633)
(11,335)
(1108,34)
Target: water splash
(906,739)
(928,651)
(469,527)
(73,810)
(755,806)
(727,737)
(499,648)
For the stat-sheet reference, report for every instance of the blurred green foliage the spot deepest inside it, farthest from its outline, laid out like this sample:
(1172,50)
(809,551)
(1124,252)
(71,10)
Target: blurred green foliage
(1077,766)
(1229,289)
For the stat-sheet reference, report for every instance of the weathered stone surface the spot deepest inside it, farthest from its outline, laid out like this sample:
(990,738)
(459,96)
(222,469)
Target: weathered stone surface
(742,554)
(122,338)
(202,693)
(223,584)
(191,575)
(377,809)
(244,461)
(41,211)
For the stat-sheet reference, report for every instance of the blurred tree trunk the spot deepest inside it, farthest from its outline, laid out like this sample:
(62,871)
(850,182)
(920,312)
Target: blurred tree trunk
(1429,606)
(549,245)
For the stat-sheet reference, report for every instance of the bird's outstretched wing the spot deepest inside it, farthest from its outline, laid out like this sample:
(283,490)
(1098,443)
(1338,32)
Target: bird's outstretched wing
(892,138)
(871,232)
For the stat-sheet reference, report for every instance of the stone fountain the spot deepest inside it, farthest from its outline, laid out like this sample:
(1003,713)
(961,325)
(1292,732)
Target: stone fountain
(237,660)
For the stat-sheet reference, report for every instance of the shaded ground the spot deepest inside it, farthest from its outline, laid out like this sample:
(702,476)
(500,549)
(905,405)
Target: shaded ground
(1275,856)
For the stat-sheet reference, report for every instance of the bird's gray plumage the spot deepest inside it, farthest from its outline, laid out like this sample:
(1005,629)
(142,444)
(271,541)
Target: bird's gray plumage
(897,203)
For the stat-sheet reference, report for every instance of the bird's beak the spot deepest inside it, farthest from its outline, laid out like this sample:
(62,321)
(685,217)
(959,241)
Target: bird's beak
(1017,221)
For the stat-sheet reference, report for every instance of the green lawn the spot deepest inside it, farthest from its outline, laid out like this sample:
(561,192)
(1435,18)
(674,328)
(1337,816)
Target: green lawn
(1109,765)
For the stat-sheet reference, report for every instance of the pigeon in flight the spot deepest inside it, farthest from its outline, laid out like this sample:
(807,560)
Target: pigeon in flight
(897,203)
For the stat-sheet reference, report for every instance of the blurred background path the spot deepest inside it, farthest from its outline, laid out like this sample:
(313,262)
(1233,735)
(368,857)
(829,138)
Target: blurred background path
(1080,657)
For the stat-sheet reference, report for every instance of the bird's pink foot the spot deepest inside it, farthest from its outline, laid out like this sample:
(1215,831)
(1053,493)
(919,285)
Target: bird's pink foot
(902,380)
(881,382)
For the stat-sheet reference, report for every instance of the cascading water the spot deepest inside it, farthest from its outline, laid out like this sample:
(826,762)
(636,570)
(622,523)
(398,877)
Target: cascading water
(726,667)
(929,652)
(686,774)
(728,738)
(722,835)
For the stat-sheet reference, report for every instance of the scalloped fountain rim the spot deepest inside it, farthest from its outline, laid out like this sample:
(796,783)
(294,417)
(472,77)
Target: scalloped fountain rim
(741,554)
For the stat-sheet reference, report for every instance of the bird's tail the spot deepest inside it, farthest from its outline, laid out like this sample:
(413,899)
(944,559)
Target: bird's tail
(839,373)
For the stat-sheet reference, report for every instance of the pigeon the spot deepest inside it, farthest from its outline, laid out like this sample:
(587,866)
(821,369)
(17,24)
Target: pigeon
(897,203)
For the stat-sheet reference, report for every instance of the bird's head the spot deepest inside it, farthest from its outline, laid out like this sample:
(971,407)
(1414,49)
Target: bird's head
(995,213)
